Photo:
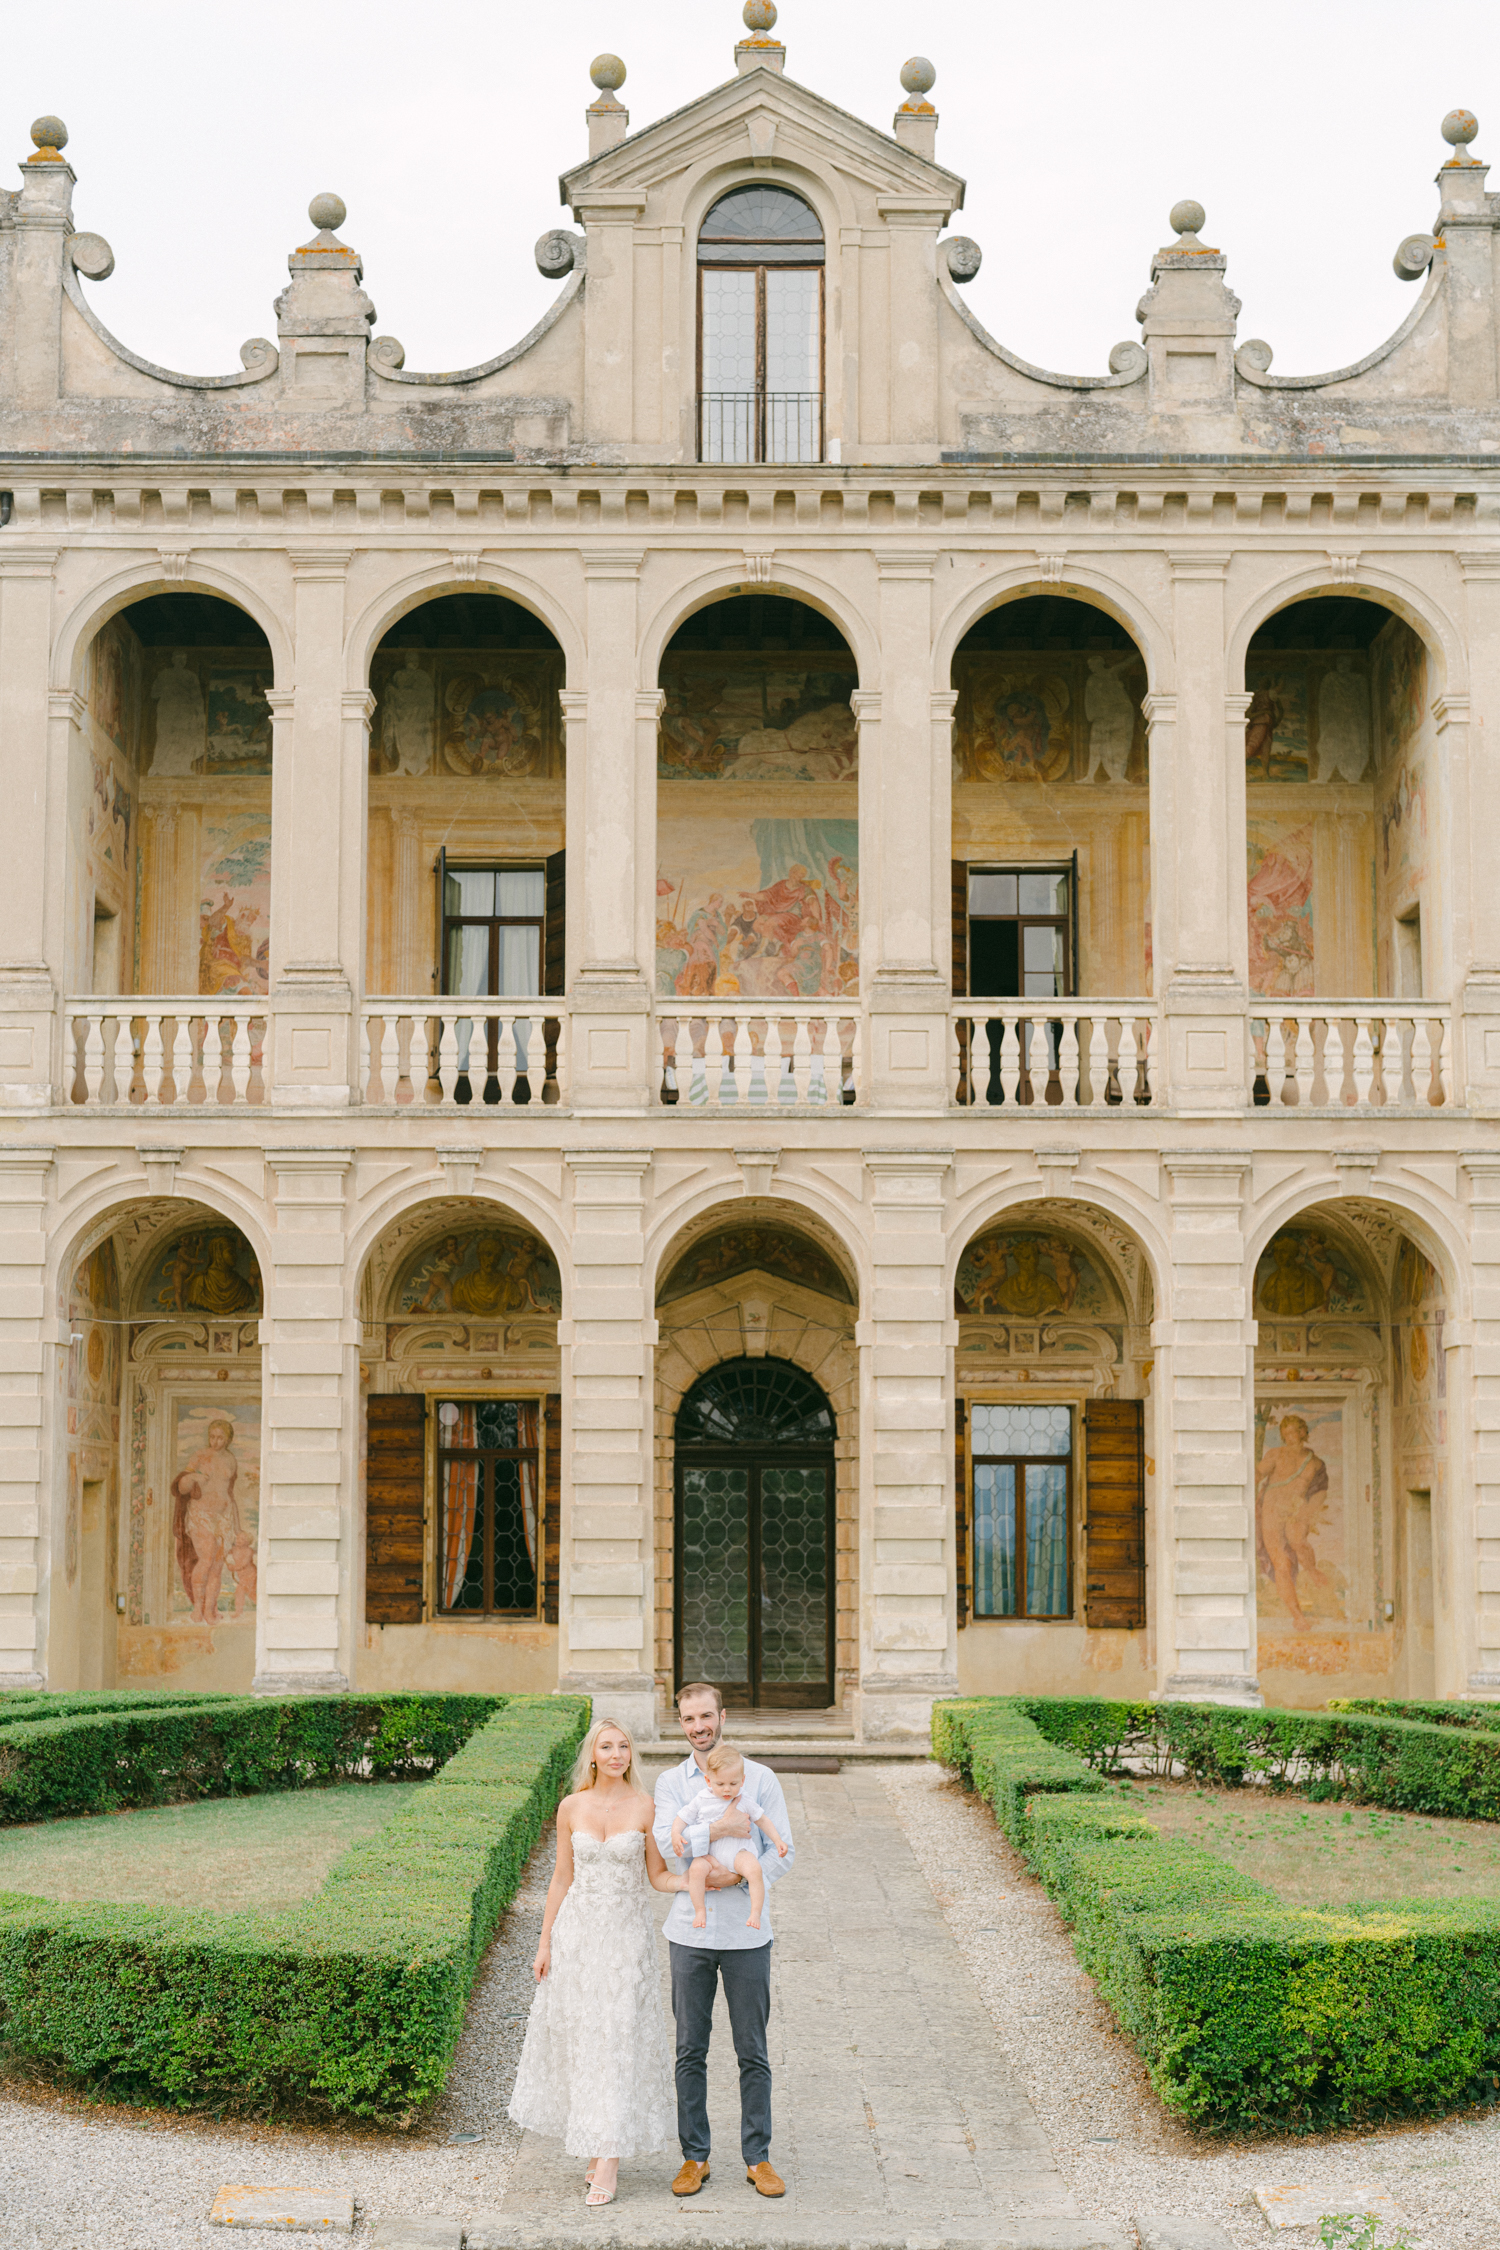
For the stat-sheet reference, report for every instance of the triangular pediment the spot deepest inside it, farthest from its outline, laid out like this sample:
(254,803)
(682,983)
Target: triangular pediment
(765,119)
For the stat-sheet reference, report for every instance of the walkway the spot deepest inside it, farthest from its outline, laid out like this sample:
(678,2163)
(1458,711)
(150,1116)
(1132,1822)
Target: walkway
(897,2119)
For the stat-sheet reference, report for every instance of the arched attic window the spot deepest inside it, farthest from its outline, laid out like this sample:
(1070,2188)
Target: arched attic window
(760,328)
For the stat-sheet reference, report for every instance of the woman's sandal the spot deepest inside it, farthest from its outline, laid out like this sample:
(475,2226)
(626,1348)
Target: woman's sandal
(596,2202)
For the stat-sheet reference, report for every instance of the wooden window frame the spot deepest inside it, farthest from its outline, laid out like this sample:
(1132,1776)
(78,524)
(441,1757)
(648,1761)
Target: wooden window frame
(495,923)
(1067,922)
(466,1394)
(759,457)
(975,1460)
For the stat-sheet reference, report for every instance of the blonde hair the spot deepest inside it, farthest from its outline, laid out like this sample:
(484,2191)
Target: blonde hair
(586,1772)
(721,1758)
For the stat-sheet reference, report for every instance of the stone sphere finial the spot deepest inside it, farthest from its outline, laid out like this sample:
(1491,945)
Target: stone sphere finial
(328,213)
(1459,127)
(759,15)
(1186,217)
(918,76)
(607,73)
(49,133)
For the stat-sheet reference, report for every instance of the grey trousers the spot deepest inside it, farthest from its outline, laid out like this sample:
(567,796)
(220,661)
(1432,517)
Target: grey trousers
(746,1971)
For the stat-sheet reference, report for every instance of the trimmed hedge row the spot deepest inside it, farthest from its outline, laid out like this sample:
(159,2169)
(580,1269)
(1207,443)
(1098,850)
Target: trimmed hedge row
(103,1761)
(1249,2014)
(18,1704)
(1483,1716)
(1409,1764)
(351,2002)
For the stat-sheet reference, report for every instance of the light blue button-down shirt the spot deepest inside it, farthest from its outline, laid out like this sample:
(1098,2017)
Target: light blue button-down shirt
(728,1911)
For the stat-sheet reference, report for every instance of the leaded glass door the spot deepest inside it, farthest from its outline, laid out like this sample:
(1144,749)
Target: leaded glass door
(754,1546)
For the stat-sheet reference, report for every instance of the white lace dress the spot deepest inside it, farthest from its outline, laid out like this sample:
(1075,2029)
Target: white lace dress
(596,2069)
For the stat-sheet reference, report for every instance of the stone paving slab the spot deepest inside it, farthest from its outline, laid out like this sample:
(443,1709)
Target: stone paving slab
(1304,2206)
(400,2233)
(283,2210)
(897,2119)
(1181,2234)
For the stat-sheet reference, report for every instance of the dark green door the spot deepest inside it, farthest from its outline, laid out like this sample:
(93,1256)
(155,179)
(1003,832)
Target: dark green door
(755,1541)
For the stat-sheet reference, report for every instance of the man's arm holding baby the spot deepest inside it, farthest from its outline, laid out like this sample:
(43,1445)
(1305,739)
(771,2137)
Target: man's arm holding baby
(776,1856)
(672,1796)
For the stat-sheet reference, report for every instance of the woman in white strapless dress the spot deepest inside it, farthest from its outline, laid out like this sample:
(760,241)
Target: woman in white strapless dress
(596,2070)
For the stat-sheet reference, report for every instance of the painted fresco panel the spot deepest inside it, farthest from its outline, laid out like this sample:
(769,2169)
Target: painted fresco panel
(1303,1274)
(1071,716)
(234,938)
(757,907)
(488,1275)
(1280,901)
(1025,1274)
(751,717)
(215,1495)
(205,712)
(1301,1517)
(737,1250)
(206,1271)
(480,713)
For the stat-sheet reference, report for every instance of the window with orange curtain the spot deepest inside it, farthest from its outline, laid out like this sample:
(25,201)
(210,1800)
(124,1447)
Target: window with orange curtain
(489,1479)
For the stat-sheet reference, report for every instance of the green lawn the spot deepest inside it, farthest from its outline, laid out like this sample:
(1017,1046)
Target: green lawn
(1333,1854)
(226,1854)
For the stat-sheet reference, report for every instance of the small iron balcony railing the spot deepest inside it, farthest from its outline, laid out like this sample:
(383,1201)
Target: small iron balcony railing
(749,426)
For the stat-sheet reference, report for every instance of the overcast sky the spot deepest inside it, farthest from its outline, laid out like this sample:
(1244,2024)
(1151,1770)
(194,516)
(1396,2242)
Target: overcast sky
(201,128)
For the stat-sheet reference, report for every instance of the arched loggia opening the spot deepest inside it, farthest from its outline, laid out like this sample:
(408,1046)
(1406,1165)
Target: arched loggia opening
(1051,854)
(466,889)
(758,854)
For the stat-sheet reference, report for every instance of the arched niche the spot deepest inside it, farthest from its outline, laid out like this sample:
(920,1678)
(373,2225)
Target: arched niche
(757,805)
(170,802)
(1051,804)
(1340,750)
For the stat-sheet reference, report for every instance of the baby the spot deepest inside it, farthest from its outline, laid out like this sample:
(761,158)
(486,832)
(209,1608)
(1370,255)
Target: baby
(240,1562)
(724,1787)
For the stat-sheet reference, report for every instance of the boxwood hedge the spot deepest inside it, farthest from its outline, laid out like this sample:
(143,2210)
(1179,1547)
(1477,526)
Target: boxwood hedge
(1249,2014)
(351,2001)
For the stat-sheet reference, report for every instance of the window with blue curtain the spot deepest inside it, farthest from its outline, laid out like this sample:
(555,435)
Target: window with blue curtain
(1021,1460)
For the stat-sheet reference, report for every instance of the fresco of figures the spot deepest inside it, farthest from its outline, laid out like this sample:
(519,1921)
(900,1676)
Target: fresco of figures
(1027,1273)
(1303,1273)
(480,713)
(1300,1528)
(206,1271)
(752,717)
(757,908)
(234,912)
(205,712)
(1072,716)
(771,1250)
(492,1273)
(215,1496)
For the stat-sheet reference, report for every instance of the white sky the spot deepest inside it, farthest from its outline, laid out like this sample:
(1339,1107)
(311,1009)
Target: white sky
(200,128)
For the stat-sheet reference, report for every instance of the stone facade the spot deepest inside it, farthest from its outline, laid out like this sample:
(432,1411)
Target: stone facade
(1215,651)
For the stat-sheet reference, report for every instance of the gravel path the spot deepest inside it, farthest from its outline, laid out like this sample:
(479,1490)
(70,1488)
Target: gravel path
(74,2175)
(1118,2147)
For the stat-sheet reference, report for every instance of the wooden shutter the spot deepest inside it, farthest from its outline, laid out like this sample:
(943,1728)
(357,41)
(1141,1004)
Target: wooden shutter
(440,972)
(961,1506)
(1114,1536)
(552,1512)
(395,1508)
(554,951)
(960,868)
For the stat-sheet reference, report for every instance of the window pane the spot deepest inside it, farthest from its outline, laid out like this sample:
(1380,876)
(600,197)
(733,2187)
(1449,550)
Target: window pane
(1044,894)
(470,891)
(521,890)
(1034,1430)
(1046,1539)
(515,1575)
(520,961)
(716,1575)
(496,1422)
(992,894)
(462,1558)
(469,957)
(728,332)
(994,1539)
(1042,946)
(794,1575)
(793,301)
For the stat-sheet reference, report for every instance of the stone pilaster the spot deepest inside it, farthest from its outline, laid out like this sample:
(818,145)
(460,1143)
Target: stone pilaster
(36,734)
(1205,1355)
(309,1541)
(607,1342)
(1470,764)
(906,1335)
(1472,1528)
(33,1495)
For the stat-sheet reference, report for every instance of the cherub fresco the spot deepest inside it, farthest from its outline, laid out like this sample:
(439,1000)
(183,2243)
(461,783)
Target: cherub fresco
(492,727)
(206,1526)
(1024,1276)
(1302,1273)
(1293,1507)
(486,1274)
(206,1270)
(1022,731)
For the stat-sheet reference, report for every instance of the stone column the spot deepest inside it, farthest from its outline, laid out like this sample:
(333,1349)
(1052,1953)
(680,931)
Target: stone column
(607,1342)
(906,1336)
(1471,738)
(31,1341)
(1204,1377)
(309,1540)
(610,1019)
(318,818)
(36,731)
(1197,925)
(1472,1529)
(906,837)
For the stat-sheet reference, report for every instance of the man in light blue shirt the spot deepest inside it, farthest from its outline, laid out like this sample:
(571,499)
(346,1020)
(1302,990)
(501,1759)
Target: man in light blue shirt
(726,1949)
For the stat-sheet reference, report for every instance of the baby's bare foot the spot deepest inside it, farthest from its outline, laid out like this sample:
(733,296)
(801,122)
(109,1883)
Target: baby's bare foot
(700,1920)
(753,1923)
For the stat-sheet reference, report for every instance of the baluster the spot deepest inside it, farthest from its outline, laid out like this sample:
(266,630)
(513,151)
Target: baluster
(151,1060)
(555,1032)
(801,1060)
(93,1057)
(1401,1040)
(447,1057)
(746,1042)
(1364,1062)
(1418,1063)
(1127,1065)
(1277,1062)
(1098,1061)
(1338,1062)
(960,1049)
(1303,1060)
(236,1052)
(1145,1092)
(218,1081)
(1437,1081)
(513,1041)
(713,1061)
(1067,1063)
(385,1057)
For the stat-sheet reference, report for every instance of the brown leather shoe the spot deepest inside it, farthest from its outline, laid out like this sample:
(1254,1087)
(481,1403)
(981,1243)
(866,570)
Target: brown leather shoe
(691,2177)
(764,2180)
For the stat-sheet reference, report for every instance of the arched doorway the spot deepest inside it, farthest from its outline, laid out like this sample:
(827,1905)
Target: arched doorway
(754,1595)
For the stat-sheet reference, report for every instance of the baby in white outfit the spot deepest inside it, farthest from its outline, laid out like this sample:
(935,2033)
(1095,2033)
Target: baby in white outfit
(724,1789)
